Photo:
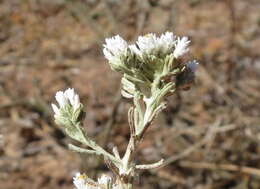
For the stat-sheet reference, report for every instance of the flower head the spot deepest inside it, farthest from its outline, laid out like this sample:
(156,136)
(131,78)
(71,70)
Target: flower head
(67,98)
(147,44)
(181,47)
(81,181)
(69,107)
(115,48)
(167,42)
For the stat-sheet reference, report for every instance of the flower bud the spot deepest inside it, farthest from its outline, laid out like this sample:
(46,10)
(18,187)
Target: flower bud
(69,107)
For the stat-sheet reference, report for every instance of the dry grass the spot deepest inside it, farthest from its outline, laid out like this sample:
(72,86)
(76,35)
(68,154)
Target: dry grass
(209,136)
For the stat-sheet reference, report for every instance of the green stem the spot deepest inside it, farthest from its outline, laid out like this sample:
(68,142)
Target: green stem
(99,149)
(88,142)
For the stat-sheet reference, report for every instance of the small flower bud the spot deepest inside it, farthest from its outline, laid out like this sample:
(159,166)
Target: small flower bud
(69,106)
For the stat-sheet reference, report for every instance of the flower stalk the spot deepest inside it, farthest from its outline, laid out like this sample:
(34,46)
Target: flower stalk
(151,71)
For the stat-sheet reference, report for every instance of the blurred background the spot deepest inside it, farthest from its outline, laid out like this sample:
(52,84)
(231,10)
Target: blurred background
(209,135)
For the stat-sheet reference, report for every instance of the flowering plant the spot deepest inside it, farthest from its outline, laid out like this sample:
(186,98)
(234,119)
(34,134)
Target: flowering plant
(151,70)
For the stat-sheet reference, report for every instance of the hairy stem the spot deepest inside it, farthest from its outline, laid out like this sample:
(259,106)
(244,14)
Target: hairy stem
(142,121)
(93,145)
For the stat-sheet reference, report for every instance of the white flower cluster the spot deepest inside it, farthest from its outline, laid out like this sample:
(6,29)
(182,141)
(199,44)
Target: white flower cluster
(66,98)
(81,181)
(152,45)
(149,44)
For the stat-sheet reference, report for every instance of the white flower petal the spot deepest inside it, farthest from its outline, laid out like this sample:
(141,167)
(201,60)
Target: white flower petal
(76,102)
(61,99)
(135,50)
(70,94)
(107,54)
(72,98)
